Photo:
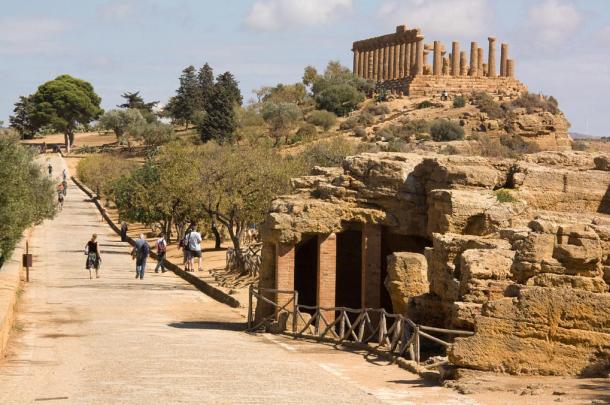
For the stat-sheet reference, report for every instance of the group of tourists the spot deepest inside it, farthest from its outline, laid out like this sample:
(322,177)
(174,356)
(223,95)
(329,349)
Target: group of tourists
(191,249)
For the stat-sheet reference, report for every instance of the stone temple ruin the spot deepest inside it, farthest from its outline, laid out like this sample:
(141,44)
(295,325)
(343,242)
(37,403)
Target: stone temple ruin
(517,250)
(398,62)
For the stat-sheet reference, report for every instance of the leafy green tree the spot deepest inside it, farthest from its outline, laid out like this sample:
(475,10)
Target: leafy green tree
(286,93)
(27,196)
(281,118)
(65,103)
(22,118)
(119,121)
(309,76)
(322,118)
(186,102)
(153,134)
(99,172)
(340,99)
(229,85)
(205,82)
(135,101)
(220,121)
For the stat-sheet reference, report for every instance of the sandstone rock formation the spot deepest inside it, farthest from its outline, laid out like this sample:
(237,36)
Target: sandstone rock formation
(528,273)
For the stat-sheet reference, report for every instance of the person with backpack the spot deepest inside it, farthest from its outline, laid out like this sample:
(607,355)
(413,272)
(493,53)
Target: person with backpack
(184,244)
(93,256)
(161,246)
(60,200)
(140,252)
(124,229)
(64,185)
(194,245)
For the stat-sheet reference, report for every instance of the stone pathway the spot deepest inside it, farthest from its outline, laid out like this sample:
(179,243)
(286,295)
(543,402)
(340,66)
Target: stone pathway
(118,340)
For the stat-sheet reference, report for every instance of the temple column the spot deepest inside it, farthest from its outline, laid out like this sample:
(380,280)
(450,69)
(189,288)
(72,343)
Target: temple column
(327,274)
(413,58)
(408,65)
(371,62)
(386,67)
(446,65)
(401,60)
(396,61)
(365,59)
(474,59)
(391,62)
(503,59)
(480,56)
(356,62)
(491,60)
(362,60)
(376,58)
(510,67)
(419,55)
(455,58)
(437,62)
(284,273)
(463,64)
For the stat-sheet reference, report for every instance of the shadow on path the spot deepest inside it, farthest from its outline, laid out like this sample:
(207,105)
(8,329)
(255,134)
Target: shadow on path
(214,325)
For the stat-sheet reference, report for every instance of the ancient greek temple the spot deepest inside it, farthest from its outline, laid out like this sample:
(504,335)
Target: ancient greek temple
(395,60)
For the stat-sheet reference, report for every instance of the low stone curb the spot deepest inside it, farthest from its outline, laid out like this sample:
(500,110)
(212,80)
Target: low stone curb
(201,285)
(10,283)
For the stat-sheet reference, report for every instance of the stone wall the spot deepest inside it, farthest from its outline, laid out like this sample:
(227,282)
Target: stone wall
(499,262)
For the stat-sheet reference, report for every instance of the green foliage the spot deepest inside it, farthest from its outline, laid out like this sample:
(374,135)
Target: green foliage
(459,102)
(99,172)
(532,102)
(251,126)
(229,85)
(283,93)
(220,120)
(417,128)
(329,153)
(281,119)
(488,105)
(360,132)
(443,130)
(322,118)
(362,119)
(306,132)
(152,134)
(136,102)
(205,86)
(580,145)
(505,196)
(119,121)
(310,75)
(186,102)
(21,119)
(505,146)
(27,196)
(340,99)
(63,104)
(425,104)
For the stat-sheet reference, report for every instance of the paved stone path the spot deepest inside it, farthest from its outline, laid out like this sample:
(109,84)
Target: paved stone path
(118,340)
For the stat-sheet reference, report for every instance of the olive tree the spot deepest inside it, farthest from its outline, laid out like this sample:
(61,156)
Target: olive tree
(119,121)
(282,118)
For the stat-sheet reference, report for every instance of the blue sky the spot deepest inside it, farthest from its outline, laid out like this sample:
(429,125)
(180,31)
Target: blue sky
(561,47)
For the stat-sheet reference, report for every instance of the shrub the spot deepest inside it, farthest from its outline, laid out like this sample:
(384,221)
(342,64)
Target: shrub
(307,132)
(100,171)
(504,196)
(532,102)
(120,120)
(339,99)
(328,153)
(444,130)
(488,105)
(416,128)
(377,109)
(580,145)
(425,104)
(152,134)
(459,102)
(360,132)
(362,119)
(386,134)
(398,145)
(518,145)
(322,118)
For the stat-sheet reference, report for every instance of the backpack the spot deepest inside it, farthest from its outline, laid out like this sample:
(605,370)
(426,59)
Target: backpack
(185,241)
(161,246)
(144,251)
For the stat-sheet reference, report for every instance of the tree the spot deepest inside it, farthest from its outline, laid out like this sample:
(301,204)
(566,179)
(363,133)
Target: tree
(22,118)
(219,122)
(186,102)
(153,134)
(322,118)
(119,121)
(227,82)
(340,99)
(65,103)
(135,101)
(309,76)
(444,130)
(28,196)
(99,172)
(205,82)
(281,118)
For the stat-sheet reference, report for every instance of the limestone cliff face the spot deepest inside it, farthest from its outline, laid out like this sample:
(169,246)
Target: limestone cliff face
(519,248)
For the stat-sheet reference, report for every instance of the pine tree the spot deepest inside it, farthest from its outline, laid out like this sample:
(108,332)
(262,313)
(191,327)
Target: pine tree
(229,84)
(219,122)
(205,81)
(135,101)
(185,102)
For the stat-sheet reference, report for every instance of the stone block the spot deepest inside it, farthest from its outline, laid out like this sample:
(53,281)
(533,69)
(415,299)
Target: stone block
(407,278)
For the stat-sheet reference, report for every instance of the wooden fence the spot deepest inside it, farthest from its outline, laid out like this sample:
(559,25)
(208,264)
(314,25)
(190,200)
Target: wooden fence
(373,328)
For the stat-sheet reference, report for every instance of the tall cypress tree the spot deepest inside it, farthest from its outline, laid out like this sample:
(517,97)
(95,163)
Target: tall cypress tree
(205,82)
(219,122)
(229,84)
(185,102)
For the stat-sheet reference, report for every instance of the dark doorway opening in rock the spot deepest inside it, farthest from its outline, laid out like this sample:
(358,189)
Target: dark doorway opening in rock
(348,290)
(394,242)
(306,270)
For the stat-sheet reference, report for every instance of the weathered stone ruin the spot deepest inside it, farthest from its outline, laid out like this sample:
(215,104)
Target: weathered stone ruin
(517,250)
(398,62)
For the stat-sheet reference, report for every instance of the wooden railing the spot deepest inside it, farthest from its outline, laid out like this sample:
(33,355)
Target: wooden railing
(374,328)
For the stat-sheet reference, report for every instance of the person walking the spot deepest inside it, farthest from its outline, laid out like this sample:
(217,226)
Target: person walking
(194,245)
(64,174)
(50,169)
(123,231)
(140,252)
(186,254)
(161,246)
(64,184)
(93,256)
(60,200)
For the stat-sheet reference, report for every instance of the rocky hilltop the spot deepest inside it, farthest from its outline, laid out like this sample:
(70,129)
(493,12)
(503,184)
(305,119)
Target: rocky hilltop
(517,250)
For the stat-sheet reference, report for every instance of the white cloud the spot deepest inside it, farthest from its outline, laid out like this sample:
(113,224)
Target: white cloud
(276,15)
(120,10)
(459,18)
(29,35)
(552,21)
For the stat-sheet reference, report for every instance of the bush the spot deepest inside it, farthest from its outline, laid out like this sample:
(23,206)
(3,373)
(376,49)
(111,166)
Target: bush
(306,132)
(580,145)
(518,145)
(532,102)
(459,102)
(425,104)
(360,132)
(488,105)
(120,120)
(322,118)
(504,196)
(416,128)
(398,145)
(339,99)
(100,171)
(377,109)
(152,134)
(363,119)
(443,130)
